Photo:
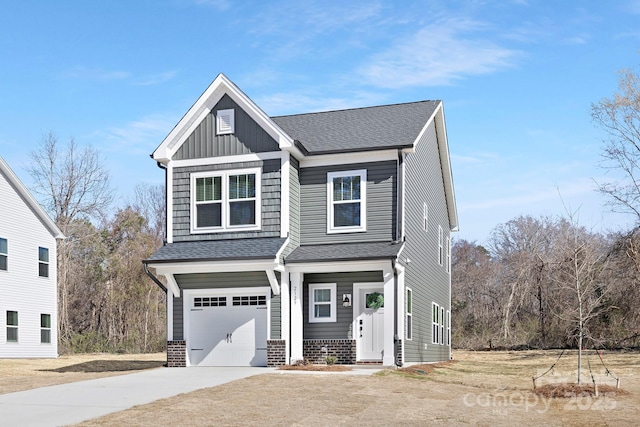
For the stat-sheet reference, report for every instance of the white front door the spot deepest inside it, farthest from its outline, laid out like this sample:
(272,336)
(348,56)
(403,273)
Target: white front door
(231,332)
(370,322)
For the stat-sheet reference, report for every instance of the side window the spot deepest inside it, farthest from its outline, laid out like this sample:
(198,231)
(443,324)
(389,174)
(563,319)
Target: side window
(4,254)
(447,261)
(441,325)
(409,302)
(43,262)
(425,217)
(45,328)
(12,326)
(440,245)
(322,302)
(346,201)
(448,327)
(435,321)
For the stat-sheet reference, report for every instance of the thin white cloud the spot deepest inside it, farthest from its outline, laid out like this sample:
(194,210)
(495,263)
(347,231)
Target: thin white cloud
(99,74)
(155,79)
(139,136)
(438,54)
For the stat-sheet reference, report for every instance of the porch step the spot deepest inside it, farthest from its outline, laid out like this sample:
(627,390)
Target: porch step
(369,362)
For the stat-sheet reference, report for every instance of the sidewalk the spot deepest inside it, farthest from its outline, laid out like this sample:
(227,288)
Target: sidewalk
(75,402)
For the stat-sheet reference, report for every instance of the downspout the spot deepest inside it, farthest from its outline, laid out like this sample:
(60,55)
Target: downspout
(154,278)
(166,201)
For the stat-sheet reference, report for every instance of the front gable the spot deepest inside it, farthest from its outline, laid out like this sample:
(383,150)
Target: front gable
(246,137)
(200,120)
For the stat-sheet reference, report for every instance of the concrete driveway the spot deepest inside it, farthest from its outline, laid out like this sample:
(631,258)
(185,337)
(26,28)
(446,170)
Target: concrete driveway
(75,402)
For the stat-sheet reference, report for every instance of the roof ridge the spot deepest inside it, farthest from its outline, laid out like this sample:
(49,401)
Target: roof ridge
(358,108)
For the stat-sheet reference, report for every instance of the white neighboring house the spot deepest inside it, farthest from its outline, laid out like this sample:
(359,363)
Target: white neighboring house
(28,269)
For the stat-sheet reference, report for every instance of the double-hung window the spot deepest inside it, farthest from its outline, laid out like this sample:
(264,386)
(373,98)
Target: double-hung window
(4,254)
(409,314)
(45,328)
(12,326)
(226,200)
(435,322)
(43,262)
(322,302)
(440,245)
(346,201)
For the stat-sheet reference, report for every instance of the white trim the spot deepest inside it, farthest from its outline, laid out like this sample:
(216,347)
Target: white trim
(285,313)
(435,324)
(169,314)
(225,122)
(213,266)
(226,160)
(226,201)
(389,355)
(273,281)
(404,199)
(285,203)
(172,284)
(333,305)
(297,318)
(331,228)
(348,158)
(169,190)
(342,266)
(440,245)
(425,217)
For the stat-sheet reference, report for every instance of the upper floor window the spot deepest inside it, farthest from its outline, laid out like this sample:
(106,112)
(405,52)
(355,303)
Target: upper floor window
(43,262)
(447,261)
(226,200)
(322,302)
(12,326)
(4,254)
(225,122)
(409,302)
(440,245)
(346,196)
(425,217)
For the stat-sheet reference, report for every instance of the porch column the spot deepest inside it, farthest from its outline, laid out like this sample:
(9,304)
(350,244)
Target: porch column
(296,316)
(401,308)
(388,358)
(169,314)
(285,304)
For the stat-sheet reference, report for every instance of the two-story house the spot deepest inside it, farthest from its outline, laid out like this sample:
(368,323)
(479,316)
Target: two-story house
(306,236)
(28,284)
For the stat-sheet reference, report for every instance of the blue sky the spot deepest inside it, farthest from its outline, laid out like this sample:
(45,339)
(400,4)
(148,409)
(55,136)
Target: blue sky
(517,79)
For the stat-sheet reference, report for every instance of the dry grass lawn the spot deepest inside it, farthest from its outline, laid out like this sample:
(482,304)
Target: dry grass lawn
(477,388)
(25,374)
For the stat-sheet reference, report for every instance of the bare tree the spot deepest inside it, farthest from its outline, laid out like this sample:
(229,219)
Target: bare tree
(73,184)
(619,117)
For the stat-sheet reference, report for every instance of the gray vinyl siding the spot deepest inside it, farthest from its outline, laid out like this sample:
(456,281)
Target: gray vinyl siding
(248,137)
(294,207)
(248,279)
(341,329)
(381,200)
(270,188)
(429,281)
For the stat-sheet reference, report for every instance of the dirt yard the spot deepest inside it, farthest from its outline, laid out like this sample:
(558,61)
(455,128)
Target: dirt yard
(477,388)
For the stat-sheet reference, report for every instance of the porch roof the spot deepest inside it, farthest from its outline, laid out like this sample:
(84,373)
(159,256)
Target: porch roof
(345,252)
(218,250)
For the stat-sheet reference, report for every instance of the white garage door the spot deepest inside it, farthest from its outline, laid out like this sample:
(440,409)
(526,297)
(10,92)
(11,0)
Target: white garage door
(228,330)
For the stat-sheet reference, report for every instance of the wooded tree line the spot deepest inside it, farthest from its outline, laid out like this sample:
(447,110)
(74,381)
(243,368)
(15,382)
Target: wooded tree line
(539,282)
(106,302)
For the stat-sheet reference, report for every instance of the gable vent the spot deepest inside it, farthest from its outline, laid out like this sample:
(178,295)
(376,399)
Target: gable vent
(225,122)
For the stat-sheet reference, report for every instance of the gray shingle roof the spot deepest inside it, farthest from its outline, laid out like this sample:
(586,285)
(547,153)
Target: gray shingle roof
(359,129)
(218,250)
(344,252)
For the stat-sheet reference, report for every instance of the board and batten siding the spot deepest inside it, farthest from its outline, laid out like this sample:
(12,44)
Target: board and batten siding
(247,138)
(381,201)
(342,327)
(270,193)
(245,279)
(429,281)
(21,288)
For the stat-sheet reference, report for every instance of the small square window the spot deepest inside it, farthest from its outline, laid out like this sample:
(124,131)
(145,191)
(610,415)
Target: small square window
(43,264)
(225,122)
(12,326)
(322,302)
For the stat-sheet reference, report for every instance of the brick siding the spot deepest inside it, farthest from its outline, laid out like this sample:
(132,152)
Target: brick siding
(276,352)
(343,350)
(177,354)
